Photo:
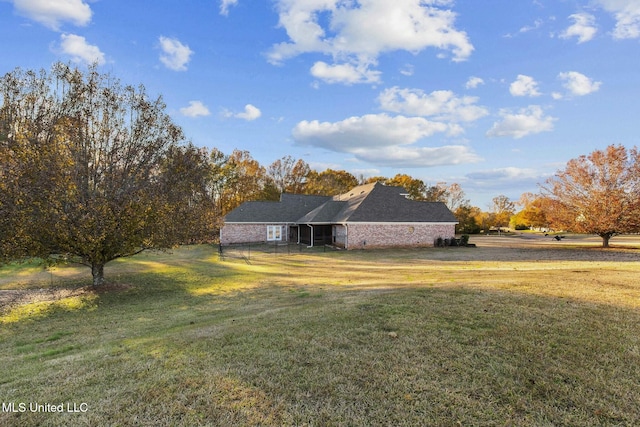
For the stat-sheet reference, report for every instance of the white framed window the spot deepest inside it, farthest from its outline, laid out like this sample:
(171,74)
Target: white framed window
(274,233)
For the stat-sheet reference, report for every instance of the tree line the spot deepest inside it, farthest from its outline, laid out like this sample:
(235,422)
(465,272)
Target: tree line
(92,170)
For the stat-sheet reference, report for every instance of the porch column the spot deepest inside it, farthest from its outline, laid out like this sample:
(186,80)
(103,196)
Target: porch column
(311,237)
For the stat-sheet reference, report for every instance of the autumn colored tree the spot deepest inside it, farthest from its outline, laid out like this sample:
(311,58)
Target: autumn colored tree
(467,217)
(225,178)
(92,170)
(246,180)
(415,187)
(436,193)
(532,214)
(597,193)
(363,181)
(502,208)
(186,178)
(455,197)
(289,175)
(329,182)
(483,219)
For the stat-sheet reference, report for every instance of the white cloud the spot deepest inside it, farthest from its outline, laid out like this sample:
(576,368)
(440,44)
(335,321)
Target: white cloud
(384,140)
(509,180)
(504,174)
(79,50)
(195,109)
(370,131)
(52,13)
(441,104)
(175,54)
(527,121)
(583,27)
(473,82)
(524,86)
(401,156)
(627,14)
(225,4)
(408,70)
(250,113)
(344,73)
(536,24)
(358,32)
(578,84)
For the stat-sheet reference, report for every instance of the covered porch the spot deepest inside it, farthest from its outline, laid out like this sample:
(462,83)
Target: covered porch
(316,234)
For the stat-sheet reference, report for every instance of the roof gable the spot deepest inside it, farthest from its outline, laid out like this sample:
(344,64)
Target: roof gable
(381,203)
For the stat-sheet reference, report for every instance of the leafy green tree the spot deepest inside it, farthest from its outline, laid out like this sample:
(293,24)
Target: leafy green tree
(597,194)
(92,170)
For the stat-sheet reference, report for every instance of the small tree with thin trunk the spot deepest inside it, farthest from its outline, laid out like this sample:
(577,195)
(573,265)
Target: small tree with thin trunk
(597,194)
(91,170)
(501,209)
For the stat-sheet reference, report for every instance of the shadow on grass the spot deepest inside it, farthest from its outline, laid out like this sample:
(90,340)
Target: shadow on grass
(278,343)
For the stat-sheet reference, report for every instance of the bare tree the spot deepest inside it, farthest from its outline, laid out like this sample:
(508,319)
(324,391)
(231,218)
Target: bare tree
(455,197)
(288,175)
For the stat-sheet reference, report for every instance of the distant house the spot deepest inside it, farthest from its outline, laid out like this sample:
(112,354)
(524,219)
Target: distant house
(368,216)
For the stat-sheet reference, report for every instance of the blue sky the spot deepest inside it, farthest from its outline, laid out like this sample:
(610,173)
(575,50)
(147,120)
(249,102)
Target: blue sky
(495,95)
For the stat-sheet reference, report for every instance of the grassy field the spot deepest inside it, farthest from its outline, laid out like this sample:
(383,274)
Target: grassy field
(518,331)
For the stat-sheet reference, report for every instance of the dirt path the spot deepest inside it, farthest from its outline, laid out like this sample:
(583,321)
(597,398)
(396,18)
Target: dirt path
(13,297)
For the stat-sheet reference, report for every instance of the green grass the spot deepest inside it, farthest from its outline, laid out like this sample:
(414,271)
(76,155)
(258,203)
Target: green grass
(410,337)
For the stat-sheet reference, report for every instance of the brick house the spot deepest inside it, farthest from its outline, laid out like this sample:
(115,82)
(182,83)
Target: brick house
(368,216)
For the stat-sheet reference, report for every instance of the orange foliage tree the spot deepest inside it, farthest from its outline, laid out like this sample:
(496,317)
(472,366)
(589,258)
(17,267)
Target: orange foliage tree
(597,194)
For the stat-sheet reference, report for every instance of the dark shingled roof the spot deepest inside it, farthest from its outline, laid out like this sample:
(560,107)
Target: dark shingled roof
(325,213)
(380,203)
(366,203)
(287,210)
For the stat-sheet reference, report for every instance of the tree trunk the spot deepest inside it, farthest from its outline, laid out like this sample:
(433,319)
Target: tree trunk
(605,240)
(97,271)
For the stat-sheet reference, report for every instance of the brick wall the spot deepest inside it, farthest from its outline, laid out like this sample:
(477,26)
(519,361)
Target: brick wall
(362,236)
(355,236)
(340,235)
(247,233)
